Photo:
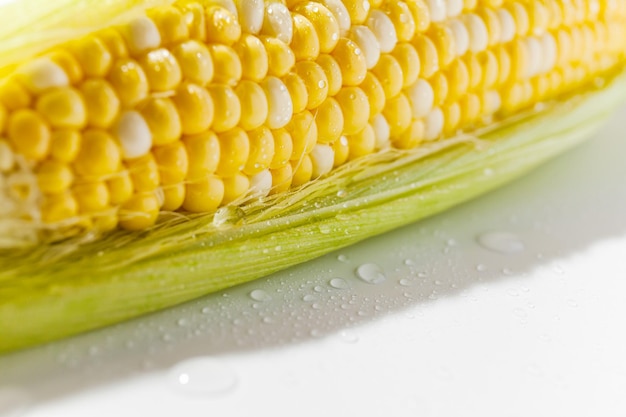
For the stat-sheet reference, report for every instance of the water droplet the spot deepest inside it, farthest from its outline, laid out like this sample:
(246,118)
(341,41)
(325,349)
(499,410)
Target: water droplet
(268,320)
(324,229)
(371,273)
(206,310)
(260,295)
(343,258)
(409,262)
(309,297)
(203,376)
(316,306)
(338,283)
(318,288)
(182,322)
(405,282)
(487,172)
(348,336)
(13,401)
(502,242)
(341,193)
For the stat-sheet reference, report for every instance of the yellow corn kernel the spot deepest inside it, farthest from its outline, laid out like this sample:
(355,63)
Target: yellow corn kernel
(29,134)
(303,131)
(361,143)
(69,64)
(227,109)
(162,70)
(520,15)
(297,91)
(504,65)
(203,153)
(428,55)
(302,171)
(281,178)
(458,80)
(451,118)
(281,58)
(114,42)
(254,106)
(144,172)
(329,120)
(474,70)
(283,148)
(228,69)
(129,82)
(470,5)
(204,195)
(54,177)
(398,114)
(439,84)
(120,188)
(222,27)
(470,109)
(488,64)
(64,144)
(493,25)
(375,93)
(63,108)
(341,148)
(389,72)
(402,18)
(520,58)
(541,86)
(333,72)
(195,108)
(173,196)
(406,55)
(358,10)
(196,21)
(162,118)
(139,212)
(253,57)
(351,61)
(443,39)
(101,102)
(355,108)
(305,43)
(490,102)
(171,24)
(13,95)
(512,98)
(323,21)
(93,56)
(235,187)
(58,207)
(261,150)
(315,81)
(234,152)
(172,162)
(411,137)
(3,118)
(195,61)
(91,197)
(421,15)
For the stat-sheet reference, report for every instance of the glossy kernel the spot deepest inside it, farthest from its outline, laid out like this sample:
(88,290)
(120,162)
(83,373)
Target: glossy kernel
(29,134)
(162,70)
(101,102)
(315,81)
(195,61)
(234,152)
(351,62)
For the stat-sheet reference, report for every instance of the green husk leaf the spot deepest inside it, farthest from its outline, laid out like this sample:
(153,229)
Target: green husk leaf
(65,288)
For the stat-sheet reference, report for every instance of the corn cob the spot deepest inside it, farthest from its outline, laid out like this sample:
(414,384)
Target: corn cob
(174,116)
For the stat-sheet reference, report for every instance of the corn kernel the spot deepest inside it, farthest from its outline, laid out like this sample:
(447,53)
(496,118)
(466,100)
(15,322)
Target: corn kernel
(139,212)
(3,118)
(91,197)
(382,131)
(493,24)
(461,36)
(254,107)
(129,81)
(261,151)
(504,65)
(114,43)
(235,187)
(454,7)
(141,35)
(488,63)
(260,184)
(437,10)
(421,15)
(512,98)
(302,171)
(351,60)
(305,43)
(329,120)
(451,118)
(324,24)
(283,148)
(171,24)
(162,70)
(13,95)
(355,108)
(520,16)
(383,29)
(433,124)
(253,57)
(280,57)
(458,80)
(196,107)
(470,109)
(133,135)
(101,102)
(234,152)
(297,91)
(7,157)
(93,56)
(429,57)
(362,143)
(98,155)
(303,131)
(42,74)
(402,18)
(173,196)
(389,72)
(63,108)
(358,10)
(322,160)
(421,97)
(203,153)
(29,134)
(277,22)
(406,55)
(120,188)
(58,207)
(520,60)
(367,43)
(64,144)
(172,162)
(341,148)
(474,70)
(281,179)
(443,39)
(228,69)
(279,103)
(398,114)
(54,177)
(333,73)
(222,26)
(227,109)
(144,173)
(69,64)
(195,61)
(204,195)
(162,118)
(375,93)
(315,81)
(439,83)
(491,102)
(411,137)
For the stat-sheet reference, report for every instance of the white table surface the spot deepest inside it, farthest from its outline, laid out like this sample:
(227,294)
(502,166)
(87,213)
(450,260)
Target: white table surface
(455,330)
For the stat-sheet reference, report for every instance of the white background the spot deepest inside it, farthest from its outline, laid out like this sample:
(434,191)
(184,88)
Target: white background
(456,328)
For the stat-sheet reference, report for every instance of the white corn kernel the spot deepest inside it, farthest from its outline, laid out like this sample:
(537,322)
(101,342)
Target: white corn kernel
(382,131)
(384,30)
(461,36)
(42,74)
(342,15)
(278,22)
(437,9)
(478,35)
(454,7)
(422,97)
(323,158)
(251,15)
(433,124)
(133,134)
(143,35)
(367,42)
(261,184)
(507,25)
(280,106)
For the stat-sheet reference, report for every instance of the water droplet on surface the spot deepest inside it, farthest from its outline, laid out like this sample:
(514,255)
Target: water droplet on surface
(338,283)
(260,295)
(405,282)
(309,297)
(502,242)
(206,310)
(348,336)
(203,376)
(371,273)
(13,401)
(343,258)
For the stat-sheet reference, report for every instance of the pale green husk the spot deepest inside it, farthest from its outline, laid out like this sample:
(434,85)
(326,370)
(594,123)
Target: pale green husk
(61,289)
